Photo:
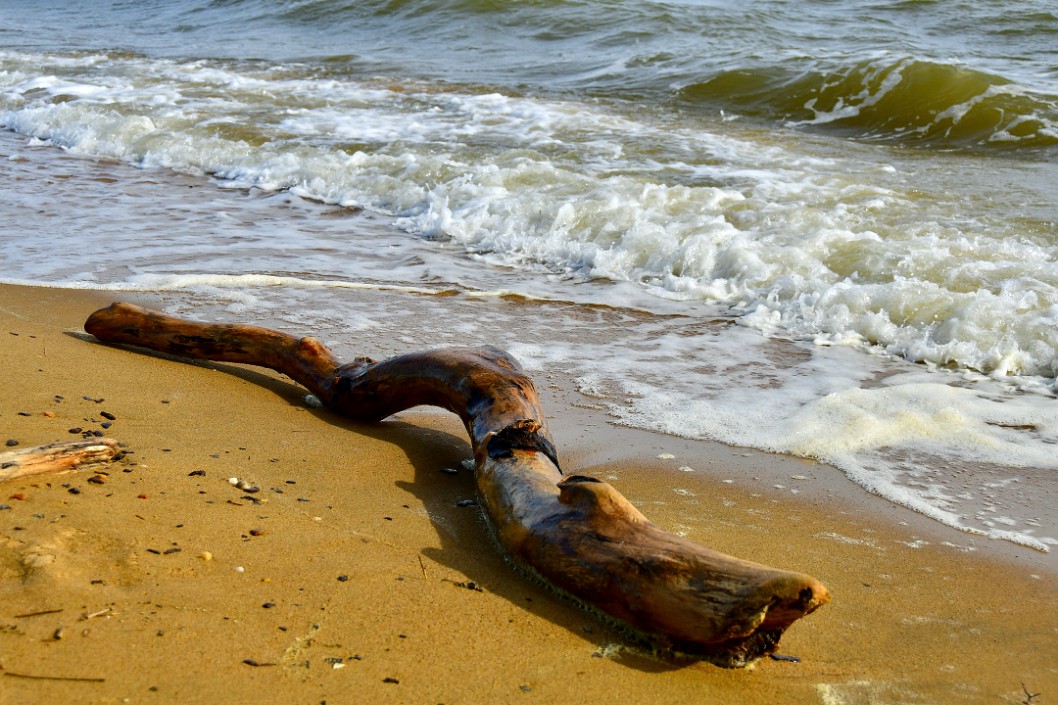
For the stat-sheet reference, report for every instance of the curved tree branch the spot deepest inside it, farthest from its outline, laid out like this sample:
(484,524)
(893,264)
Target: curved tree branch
(577,533)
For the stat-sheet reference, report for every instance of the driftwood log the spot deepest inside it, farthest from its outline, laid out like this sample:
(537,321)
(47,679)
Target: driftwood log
(577,533)
(64,456)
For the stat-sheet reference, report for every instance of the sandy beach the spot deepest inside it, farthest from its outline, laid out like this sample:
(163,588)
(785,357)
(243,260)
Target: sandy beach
(353,576)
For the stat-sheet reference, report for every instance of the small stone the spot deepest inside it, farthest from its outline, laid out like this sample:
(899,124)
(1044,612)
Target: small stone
(394,681)
(170,551)
(18,495)
(466,503)
(206,556)
(76,429)
(197,473)
(256,532)
(108,416)
(11,442)
(106,424)
(98,479)
(341,578)
(74,490)
(24,413)
(268,605)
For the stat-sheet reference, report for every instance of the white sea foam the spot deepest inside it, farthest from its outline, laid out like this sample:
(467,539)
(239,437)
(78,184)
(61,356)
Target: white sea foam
(792,240)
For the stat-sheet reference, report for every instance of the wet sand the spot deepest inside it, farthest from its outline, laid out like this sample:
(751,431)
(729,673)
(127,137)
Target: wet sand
(353,576)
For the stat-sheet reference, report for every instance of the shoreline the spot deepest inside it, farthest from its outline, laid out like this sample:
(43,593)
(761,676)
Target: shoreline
(912,619)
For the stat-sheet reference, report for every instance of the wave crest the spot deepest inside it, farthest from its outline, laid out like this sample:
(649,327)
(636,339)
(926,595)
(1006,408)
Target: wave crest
(905,100)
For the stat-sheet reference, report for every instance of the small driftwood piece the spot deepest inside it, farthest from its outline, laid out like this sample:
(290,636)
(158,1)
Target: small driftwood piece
(64,456)
(577,533)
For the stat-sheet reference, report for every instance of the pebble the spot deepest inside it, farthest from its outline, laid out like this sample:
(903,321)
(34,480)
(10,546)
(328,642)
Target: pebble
(76,429)
(206,556)
(107,415)
(243,485)
(11,442)
(341,578)
(466,503)
(24,413)
(256,532)
(197,473)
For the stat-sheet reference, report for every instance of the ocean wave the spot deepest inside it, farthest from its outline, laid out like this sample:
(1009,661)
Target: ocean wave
(794,240)
(899,99)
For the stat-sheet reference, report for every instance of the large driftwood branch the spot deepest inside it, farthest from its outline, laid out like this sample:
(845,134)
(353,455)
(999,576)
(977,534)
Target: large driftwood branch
(64,456)
(577,533)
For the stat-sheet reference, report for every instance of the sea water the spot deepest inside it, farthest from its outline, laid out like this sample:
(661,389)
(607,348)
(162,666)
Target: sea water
(819,229)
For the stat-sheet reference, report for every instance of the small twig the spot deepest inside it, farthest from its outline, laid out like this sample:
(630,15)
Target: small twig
(421,565)
(100,613)
(1029,697)
(256,664)
(54,678)
(37,614)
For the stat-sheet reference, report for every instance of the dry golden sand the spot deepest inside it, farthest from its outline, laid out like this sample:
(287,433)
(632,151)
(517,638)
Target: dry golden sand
(346,581)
